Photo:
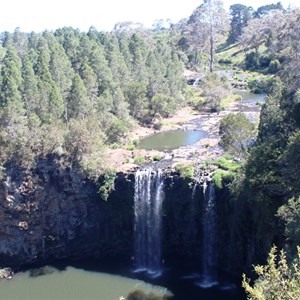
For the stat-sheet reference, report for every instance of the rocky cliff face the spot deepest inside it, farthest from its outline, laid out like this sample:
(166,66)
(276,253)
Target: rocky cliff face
(53,211)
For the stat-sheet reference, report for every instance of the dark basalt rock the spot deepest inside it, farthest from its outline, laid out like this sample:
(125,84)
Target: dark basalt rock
(53,211)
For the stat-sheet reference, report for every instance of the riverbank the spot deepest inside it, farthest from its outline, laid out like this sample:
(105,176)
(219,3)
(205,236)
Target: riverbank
(125,160)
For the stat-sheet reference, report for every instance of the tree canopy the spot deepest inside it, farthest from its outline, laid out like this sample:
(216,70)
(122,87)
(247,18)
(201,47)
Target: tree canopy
(70,77)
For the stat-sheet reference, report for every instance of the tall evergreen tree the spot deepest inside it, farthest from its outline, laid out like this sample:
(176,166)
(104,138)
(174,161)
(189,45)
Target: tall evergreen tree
(240,15)
(30,87)
(60,66)
(78,102)
(11,80)
(51,103)
(21,42)
(90,81)
(100,67)
(138,52)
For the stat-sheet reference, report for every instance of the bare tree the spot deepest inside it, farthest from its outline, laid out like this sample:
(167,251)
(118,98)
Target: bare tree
(205,27)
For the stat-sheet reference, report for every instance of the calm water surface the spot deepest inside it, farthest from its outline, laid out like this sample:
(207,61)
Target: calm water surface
(70,284)
(170,140)
(84,281)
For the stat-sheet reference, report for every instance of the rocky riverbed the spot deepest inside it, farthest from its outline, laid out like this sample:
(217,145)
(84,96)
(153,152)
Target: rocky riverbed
(184,119)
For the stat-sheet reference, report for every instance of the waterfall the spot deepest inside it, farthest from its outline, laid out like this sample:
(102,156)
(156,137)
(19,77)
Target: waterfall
(148,197)
(209,255)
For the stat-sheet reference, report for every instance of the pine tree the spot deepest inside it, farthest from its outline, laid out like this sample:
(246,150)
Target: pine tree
(78,102)
(138,51)
(60,66)
(11,80)
(21,42)
(90,81)
(51,105)
(117,64)
(100,67)
(30,87)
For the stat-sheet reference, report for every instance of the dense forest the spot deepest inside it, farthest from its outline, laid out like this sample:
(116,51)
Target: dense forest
(74,93)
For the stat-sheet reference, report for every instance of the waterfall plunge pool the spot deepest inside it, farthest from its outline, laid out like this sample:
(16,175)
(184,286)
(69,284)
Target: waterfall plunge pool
(92,279)
(50,283)
(170,140)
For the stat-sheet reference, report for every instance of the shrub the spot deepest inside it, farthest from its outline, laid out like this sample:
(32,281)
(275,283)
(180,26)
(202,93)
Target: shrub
(157,125)
(126,160)
(2,172)
(259,84)
(252,61)
(225,60)
(108,184)
(156,157)
(227,164)
(237,134)
(274,66)
(264,61)
(290,214)
(277,280)
(222,177)
(214,89)
(130,147)
(228,99)
(139,159)
(186,171)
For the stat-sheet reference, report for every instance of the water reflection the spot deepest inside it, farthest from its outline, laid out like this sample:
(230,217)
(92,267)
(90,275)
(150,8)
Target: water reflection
(73,283)
(170,140)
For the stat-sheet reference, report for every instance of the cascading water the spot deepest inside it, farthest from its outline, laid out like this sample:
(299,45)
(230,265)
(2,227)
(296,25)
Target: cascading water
(209,238)
(148,198)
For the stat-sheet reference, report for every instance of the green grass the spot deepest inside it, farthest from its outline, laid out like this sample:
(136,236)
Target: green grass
(227,164)
(226,172)
(230,55)
(156,157)
(130,147)
(220,177)
(230,98)
(139,159)
(186,171)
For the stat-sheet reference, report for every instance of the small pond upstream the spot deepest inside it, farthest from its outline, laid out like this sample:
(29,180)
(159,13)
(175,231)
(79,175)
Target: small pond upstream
(169,140)
(173,139)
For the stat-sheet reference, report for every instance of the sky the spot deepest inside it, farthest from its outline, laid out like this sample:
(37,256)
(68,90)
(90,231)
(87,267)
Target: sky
(38,15)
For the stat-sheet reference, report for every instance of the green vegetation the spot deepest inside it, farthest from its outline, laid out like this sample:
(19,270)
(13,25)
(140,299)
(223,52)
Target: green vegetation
(156,157)
(259,84)
(108,183)
(269,176)
(237,134)
(290,214)
(213,92)
(222,177)
(227,171)
(75,93)
(130,147)
(186,170)
(227,163)
(276,280)
(2,172)
(139,160)
(228,99)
